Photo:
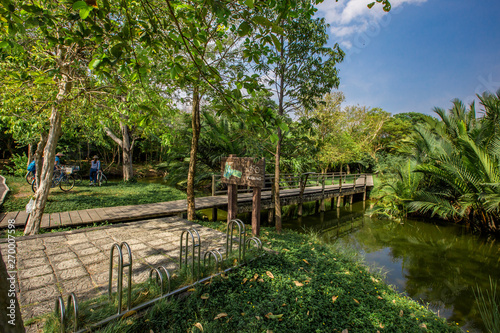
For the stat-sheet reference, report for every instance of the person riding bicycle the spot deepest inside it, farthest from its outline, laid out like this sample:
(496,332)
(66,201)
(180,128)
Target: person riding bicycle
(57,164)
(95,165)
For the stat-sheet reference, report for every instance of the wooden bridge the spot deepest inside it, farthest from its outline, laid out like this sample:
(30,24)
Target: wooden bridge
(294,189)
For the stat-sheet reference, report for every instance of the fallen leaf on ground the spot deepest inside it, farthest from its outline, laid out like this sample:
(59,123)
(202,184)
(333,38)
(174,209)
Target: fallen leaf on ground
(260,280)
(308,313)
(270,274)
(204,296)
(381,326)
(284,304)
(394,301)
(199,326)
(220,315)
(334,298)
(379,297)
(423,326)
(257,317)
(306,261)
(298,284)
(345,331)
(128,314)
(355,300)
(243,313)
(269,331)
(245,280)
(312,249)
(286,250)
(401,313)
(270,315)
(191,290)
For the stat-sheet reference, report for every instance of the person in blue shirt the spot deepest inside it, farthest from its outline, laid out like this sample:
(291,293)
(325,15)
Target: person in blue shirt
(57,164)
(95,165)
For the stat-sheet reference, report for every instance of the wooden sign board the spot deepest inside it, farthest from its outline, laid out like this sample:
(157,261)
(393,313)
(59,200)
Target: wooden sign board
(244,171)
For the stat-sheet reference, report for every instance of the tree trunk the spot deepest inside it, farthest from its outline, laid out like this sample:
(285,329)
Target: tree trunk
(30,153)
(281,94)
(45,176)
(195,123)
(127,150)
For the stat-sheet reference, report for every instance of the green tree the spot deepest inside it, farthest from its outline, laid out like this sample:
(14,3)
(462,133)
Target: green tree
(299,69)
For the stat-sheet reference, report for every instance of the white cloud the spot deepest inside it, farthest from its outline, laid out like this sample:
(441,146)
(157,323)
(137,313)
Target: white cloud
(353,17)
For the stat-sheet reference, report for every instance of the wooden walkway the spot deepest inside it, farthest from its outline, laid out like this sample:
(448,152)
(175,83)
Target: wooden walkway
(171,208)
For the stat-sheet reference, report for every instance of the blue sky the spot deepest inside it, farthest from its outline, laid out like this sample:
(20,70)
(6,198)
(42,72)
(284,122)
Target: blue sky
(421,55)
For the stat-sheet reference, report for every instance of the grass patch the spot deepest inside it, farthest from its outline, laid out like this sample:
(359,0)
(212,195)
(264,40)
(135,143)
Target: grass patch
(308,286)
(87,197)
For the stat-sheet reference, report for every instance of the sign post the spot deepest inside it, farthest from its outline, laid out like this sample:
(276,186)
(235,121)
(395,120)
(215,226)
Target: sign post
(244,171)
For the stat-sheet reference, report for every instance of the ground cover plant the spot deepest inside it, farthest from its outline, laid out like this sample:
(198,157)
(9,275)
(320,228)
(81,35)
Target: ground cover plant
(89,197)
(306,286)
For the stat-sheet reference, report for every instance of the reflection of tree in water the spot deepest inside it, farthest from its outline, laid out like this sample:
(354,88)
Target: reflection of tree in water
(441,264)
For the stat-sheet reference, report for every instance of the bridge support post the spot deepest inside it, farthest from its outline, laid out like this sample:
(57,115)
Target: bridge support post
(256,211)
(322,205)
(270,215)
(351,199)
(316,207)
(332,204)
(214,214)
(232,202)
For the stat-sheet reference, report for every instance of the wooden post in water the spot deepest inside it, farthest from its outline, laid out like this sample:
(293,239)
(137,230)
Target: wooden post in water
(232,201)
(322,205)
(364,190)
(256,211)
(214,209)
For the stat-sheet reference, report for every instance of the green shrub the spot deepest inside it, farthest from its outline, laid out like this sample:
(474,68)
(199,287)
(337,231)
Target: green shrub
(18,164)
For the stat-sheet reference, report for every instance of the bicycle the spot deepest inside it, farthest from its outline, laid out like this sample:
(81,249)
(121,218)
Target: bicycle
(64,180)
(30,176)
(101,178)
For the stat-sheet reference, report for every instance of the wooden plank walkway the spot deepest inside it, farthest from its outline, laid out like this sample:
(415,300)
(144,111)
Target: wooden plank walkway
(170,208)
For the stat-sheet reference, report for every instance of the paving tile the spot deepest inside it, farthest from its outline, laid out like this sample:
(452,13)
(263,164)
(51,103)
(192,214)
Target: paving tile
(34,271)
(62,257)
(32,262)
(67,264)
(46,293)
(37,281)
(72,273)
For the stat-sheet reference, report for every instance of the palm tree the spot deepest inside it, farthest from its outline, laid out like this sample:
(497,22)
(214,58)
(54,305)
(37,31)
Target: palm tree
(460,155)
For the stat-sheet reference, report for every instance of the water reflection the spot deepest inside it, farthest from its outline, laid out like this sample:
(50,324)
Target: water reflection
(434,264)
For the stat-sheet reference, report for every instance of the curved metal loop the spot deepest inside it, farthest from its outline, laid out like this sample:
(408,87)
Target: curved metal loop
(167,274)
(189,232)
(60,310)
(210,254)
(256,241)
(72,301)
(229,238)
(159,278)
(121,265)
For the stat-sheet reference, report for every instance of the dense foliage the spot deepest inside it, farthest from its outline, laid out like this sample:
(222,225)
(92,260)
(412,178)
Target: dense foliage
(451,169)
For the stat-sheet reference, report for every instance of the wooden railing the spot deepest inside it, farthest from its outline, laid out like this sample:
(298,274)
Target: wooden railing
(302,181)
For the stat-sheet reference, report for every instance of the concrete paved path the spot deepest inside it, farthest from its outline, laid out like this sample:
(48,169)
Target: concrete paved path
(77,261)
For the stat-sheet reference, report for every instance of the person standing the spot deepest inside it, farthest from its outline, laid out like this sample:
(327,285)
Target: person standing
(95,165)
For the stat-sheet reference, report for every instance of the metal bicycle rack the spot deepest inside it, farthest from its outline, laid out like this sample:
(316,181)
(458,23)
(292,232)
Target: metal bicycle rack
(256,241)
(160,272)
(61,311)
(217,257)
(121,266)
(229,238)
(159,277)
(189,232)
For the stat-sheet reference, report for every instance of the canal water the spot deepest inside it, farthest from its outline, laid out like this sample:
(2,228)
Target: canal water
(435,264)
